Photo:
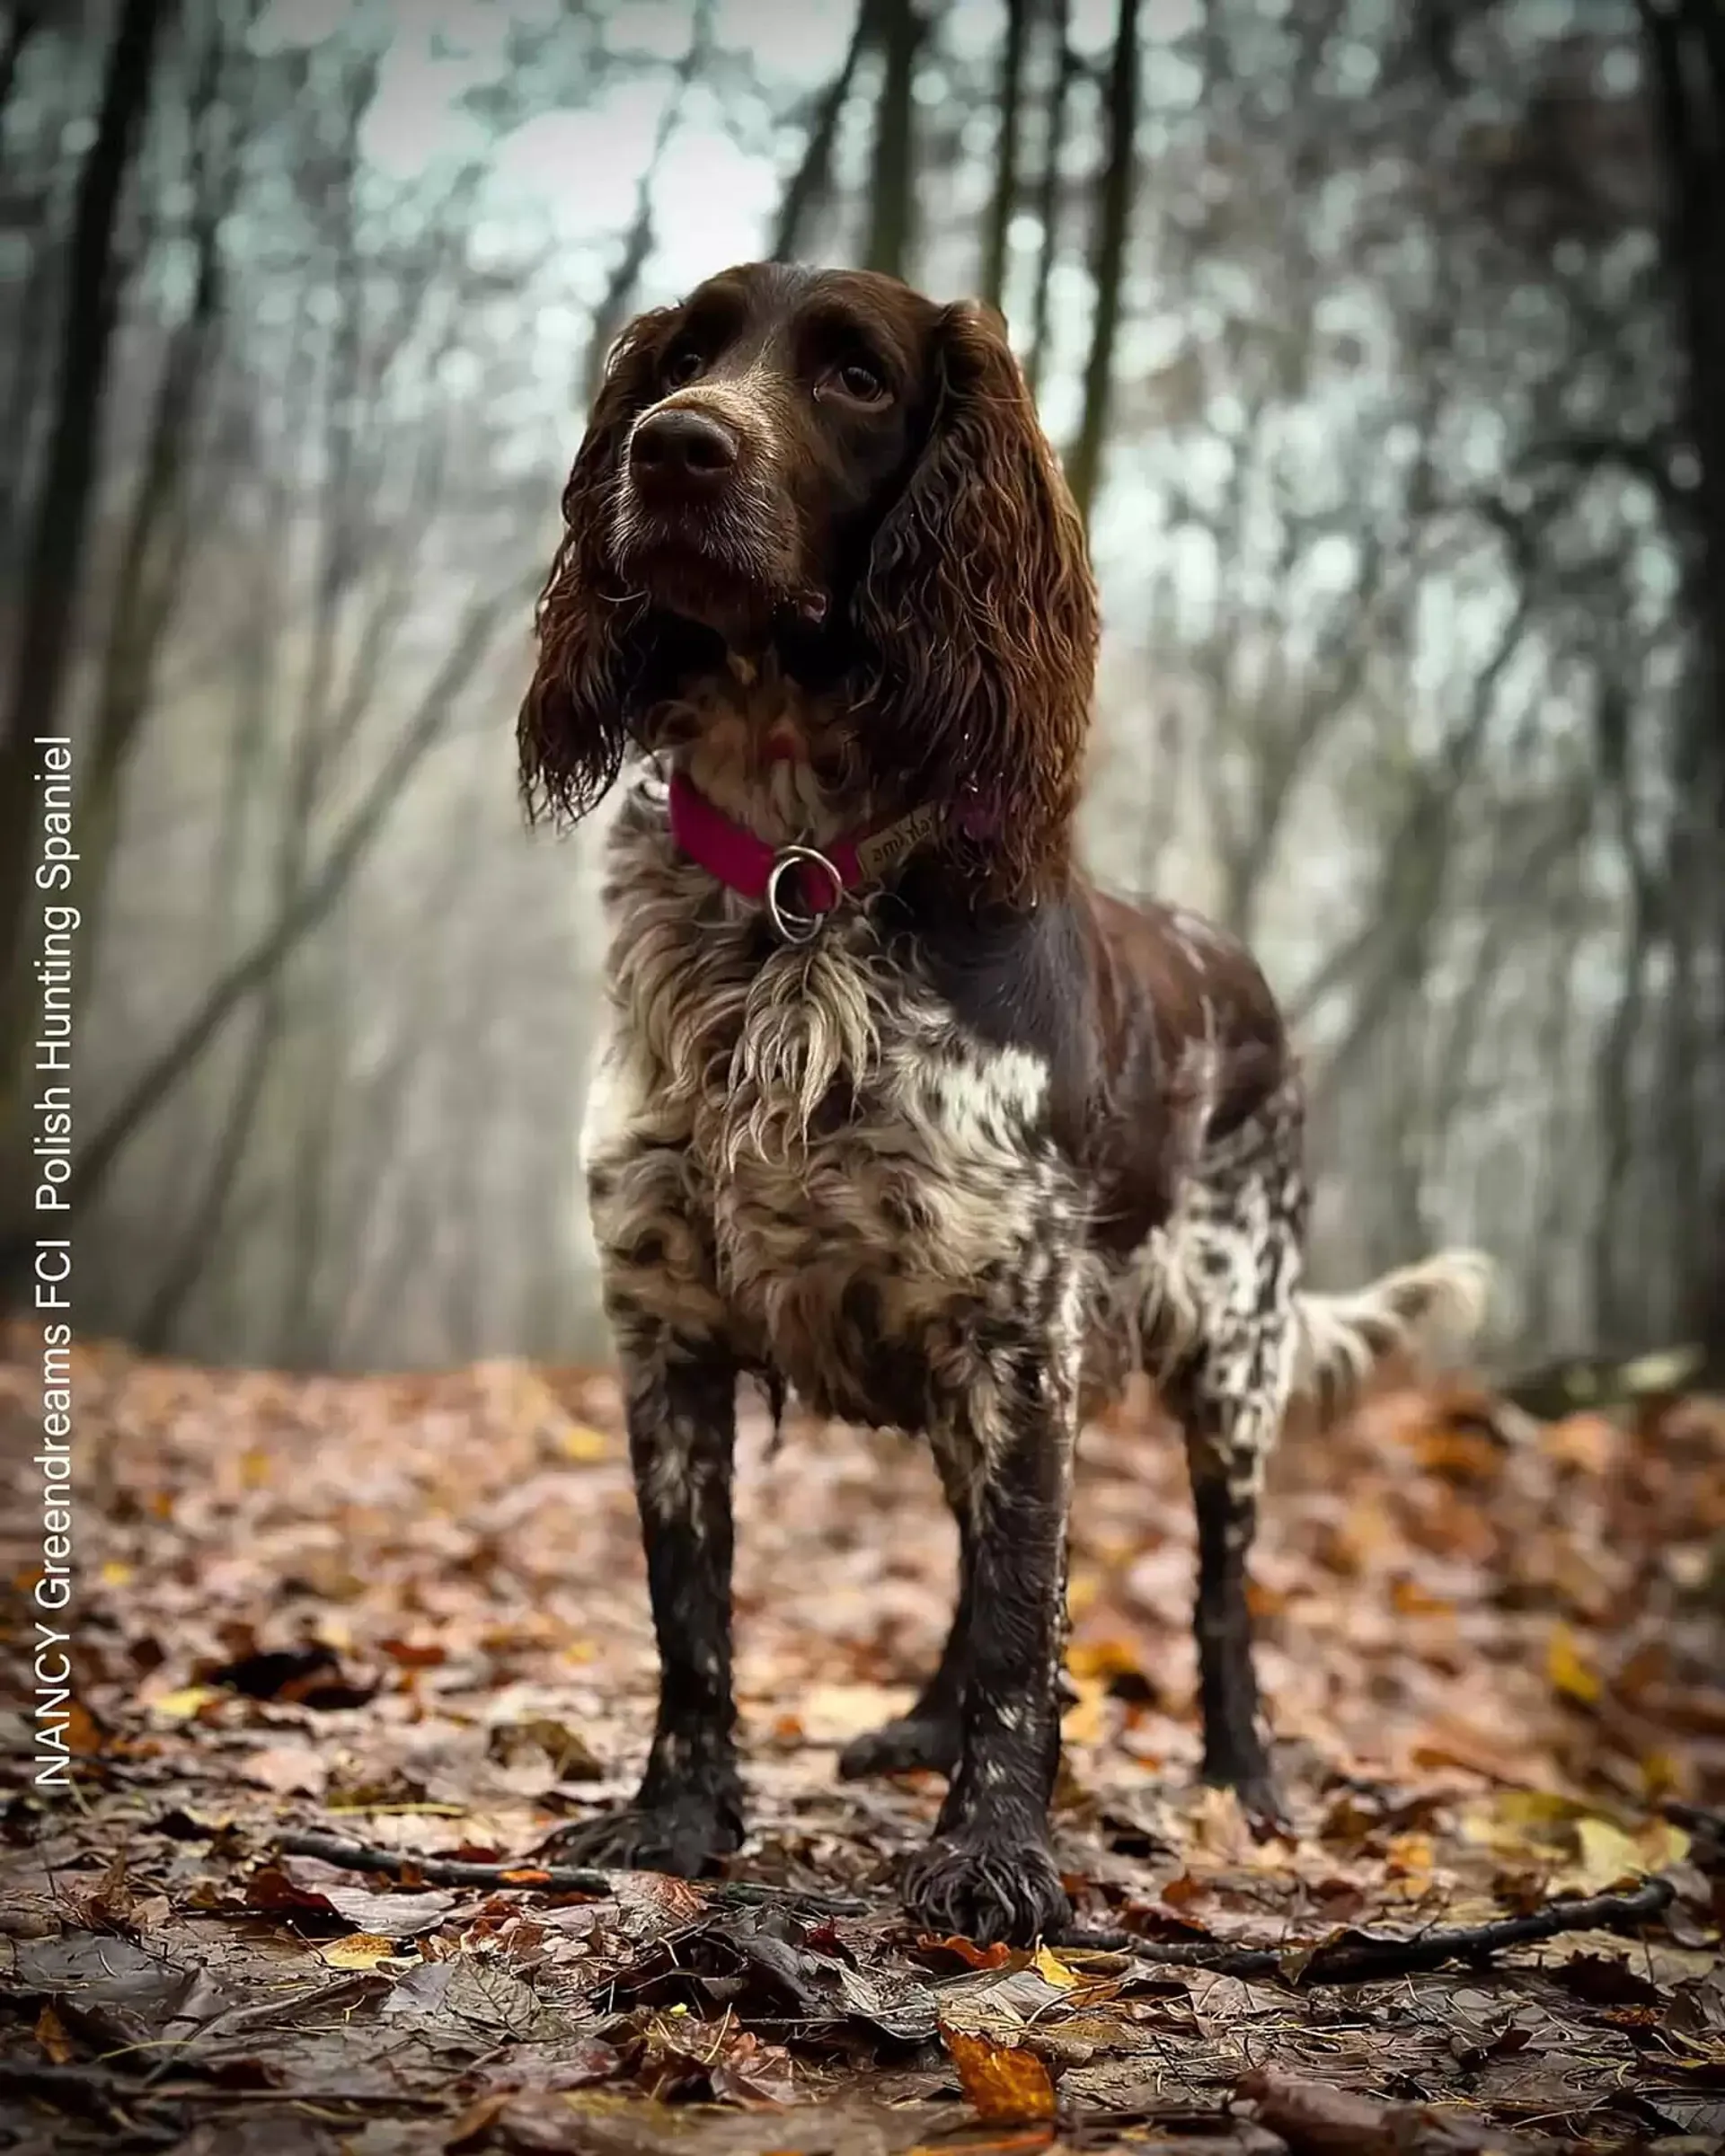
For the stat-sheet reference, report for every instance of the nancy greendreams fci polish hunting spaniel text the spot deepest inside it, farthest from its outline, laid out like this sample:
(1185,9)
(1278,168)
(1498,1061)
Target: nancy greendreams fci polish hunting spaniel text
(895,1109)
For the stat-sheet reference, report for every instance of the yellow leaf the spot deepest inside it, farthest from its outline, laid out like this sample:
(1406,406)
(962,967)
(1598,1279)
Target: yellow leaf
(1410,1858)
(1607,1854)
(1082,1589)
(1662,1844)
(1567,1673)
(114,1573)
(576,1441)
(1660,1775)
(1102,1659)
(1051,1969)
(1086,1721)
(190,1700)
(357,1950)
(1006,2085)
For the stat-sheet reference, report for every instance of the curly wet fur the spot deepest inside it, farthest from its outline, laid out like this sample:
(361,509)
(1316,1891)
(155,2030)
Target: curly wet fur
(989,1143)
(970,632)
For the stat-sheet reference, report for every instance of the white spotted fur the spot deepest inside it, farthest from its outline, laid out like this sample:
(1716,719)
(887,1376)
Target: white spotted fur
(723,1205)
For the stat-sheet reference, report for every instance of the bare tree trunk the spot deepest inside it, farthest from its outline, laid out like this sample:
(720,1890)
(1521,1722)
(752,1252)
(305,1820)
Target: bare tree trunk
(1048,193)
(892,171)
(28,368)
(1107,257)
(157,542)
(1554,1211)
(1683,41)
(1613,1322)
(189,1162)
(326,719)
(1004,200)
(65,488)
(23,20)
(810,184)
(201,1229)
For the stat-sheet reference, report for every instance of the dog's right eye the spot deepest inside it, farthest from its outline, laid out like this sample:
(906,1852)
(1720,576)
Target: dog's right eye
(682,364)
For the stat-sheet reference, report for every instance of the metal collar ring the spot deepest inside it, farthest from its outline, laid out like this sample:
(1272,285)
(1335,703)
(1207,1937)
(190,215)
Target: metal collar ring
(791,923)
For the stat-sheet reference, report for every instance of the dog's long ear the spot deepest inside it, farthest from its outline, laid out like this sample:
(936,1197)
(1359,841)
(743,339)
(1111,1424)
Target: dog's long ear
(979,611)
(573,731)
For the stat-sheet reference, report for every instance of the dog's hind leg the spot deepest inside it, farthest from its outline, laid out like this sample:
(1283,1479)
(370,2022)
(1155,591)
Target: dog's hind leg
(1229,1430)
(1234,1243)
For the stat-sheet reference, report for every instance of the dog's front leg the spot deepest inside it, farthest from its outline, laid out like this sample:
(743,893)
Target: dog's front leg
(989,1871)
(682,1410)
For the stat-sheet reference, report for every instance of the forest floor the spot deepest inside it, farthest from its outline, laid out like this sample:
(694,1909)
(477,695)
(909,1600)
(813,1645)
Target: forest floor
(411,1613)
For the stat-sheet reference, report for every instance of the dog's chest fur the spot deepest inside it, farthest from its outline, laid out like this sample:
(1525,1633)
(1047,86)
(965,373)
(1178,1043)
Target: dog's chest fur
(802,1150)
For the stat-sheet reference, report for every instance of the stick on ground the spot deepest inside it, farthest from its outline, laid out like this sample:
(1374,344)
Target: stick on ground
(544,1879)
(1361,1960)
(1367,1960)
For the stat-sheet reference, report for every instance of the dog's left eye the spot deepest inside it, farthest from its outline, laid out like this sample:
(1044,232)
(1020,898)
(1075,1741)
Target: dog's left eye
(682,364)
(860,379)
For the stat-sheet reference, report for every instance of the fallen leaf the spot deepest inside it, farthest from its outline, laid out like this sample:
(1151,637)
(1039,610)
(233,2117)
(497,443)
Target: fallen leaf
(967,1951)
(1567,1673)
(471,2129)
(1607,1857)
(50,2034)
(288,1770)
(832,1714)
(411,1654)
(357,1950)
(393,1915)
(1005,2083)
(188,1700)
(566,1751)
(1085,1722)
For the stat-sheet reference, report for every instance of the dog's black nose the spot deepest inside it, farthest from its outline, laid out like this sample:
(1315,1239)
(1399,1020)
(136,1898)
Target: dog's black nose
(682,448)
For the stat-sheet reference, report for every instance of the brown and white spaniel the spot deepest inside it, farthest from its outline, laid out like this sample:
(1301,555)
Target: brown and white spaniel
(897,1109)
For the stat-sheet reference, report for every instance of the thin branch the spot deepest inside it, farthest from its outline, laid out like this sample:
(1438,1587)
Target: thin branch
(1363,1959)
(812,179)
(1047,197)
(1108,259)
(541,1879)
(1004,200)
(892,168)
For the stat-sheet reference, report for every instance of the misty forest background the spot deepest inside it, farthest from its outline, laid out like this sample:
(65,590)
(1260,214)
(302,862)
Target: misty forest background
(1385,344)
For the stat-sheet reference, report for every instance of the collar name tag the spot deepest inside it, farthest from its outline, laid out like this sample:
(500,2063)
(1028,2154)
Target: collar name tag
(886,849)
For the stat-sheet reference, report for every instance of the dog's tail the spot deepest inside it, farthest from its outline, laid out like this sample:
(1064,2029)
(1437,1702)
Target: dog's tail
(1342,1339)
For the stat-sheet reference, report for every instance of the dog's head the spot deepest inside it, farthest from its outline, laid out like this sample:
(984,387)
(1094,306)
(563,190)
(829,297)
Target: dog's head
(829,468)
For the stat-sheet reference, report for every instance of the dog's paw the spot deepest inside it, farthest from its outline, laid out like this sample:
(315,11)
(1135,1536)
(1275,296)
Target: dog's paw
(686,1835)
(986,1888)
(1260,1799)
(1254,1783)
(901,1747)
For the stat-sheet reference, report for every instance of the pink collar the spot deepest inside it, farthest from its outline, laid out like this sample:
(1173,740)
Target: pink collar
(798,885)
